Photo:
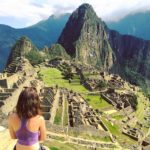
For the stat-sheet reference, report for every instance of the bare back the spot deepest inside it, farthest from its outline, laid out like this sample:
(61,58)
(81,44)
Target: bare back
(33,124)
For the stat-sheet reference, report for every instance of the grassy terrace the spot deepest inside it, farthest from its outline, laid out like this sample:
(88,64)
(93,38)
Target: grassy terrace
(97,102)
(58,117)
(56,145)
(114,130)
(118,117)
(140,112)
(52,77)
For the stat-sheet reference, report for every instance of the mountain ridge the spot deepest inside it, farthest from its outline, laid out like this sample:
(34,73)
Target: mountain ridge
(134,24)
(88,27)
(40,37)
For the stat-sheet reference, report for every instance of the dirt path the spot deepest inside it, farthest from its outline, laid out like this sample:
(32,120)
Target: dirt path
(55,106)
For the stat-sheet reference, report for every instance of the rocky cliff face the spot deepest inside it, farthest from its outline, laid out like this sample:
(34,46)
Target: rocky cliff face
(84,38)
(133,56)
(88,39)
(131,49)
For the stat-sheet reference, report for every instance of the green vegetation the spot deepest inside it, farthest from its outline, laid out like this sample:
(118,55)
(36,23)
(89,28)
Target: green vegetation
(89,137)
(57,50)
(113,128)
(56,145)
(53,77)
(34,57)
(101,85)
(106,139)
(118,117)
(53,148)
(66,71)
(58,117)
(133,101)
(97,102)
(140,112)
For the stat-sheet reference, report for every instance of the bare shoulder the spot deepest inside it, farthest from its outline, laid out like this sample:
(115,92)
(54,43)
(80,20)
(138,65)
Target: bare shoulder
(41,118)
(13,116)
(38,118)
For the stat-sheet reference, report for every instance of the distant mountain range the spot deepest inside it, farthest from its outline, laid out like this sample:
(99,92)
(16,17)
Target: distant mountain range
(47,32)
(136,24)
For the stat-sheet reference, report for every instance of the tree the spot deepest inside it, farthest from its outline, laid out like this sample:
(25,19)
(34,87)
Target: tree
(102,84)
(34,57)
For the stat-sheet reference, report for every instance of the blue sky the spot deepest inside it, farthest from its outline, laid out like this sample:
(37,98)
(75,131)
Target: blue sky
(22,13)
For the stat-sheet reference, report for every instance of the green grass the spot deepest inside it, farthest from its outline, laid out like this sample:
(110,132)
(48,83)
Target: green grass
(53,148)
(114,129)
(56,145)
(140,112)
(96,101)
(118,117)
(89,136)
(106,139)
(58,117)
(52,77)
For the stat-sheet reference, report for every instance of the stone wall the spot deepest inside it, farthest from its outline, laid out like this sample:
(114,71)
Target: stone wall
(86,130)
(3,83)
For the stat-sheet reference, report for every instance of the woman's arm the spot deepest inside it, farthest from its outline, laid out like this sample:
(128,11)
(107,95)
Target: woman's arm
(11,130)
(42,129)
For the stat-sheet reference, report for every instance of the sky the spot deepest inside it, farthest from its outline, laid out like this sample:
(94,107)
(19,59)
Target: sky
(23,13)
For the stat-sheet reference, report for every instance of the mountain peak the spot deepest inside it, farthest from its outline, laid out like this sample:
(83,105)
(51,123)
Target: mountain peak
(85,11)
(82,38)
(85,6)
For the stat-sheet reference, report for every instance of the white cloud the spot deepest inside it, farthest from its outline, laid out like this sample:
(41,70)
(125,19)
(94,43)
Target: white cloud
(35,10)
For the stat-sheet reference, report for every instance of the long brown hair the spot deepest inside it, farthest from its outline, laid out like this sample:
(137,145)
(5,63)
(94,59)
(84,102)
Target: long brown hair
(28,104)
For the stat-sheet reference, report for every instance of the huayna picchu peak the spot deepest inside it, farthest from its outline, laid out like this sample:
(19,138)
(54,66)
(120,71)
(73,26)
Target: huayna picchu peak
(84,38)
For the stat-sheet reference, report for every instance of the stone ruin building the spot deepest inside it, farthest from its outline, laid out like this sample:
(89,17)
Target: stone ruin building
(118,100)
(47,98)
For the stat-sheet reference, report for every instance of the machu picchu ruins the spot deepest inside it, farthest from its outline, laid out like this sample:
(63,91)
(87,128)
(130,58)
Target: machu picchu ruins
(92,96)
(68,112)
